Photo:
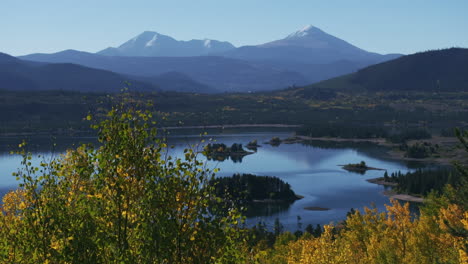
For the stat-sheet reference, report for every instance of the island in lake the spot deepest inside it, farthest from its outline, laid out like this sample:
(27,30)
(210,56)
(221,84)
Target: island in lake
(253,145)
(221,152)
(276,141)
(249,188)
(359,167)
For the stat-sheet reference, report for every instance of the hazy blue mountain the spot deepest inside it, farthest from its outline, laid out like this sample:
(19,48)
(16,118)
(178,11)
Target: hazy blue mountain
(308,45)
(306,56)
(220,73)
(432,71)
(16,74)
(178,82)
(318,72)
(6,59)
(153,44)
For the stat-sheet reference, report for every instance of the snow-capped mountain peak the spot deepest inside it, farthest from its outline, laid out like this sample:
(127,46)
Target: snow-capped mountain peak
(150,43)
(307,31)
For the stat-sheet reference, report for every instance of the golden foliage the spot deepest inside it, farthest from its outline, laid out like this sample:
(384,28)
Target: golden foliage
(388,237)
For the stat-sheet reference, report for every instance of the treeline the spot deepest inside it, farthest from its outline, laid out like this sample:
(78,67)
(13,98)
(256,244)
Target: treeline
(261,235)
(423,181)
(352,115)
(248,188)
(363,130)
(408,134)
(419,150)
(343,130)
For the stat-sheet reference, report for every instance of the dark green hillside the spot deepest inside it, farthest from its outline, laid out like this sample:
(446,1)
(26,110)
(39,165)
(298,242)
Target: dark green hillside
(439,70)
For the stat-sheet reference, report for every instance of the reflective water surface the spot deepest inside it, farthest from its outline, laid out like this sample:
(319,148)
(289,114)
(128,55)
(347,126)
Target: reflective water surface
(311,169)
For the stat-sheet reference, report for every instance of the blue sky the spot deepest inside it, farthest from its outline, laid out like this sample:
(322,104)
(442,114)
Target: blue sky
(384,26)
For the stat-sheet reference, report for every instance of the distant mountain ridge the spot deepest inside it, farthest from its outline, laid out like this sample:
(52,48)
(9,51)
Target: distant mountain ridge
(220,73)
(7,59)
(19,75)
(153,44)
(310,52)
(308,45)
(431,71)
(305,56)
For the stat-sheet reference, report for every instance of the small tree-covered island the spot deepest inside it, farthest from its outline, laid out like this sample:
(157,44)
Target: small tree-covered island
(219,152)
(248,188)
(360,167)
(253,145)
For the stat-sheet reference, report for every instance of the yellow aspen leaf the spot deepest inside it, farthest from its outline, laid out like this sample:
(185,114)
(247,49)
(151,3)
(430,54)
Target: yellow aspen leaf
(55,245)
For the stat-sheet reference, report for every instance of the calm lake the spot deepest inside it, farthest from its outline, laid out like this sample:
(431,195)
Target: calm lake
(311,169)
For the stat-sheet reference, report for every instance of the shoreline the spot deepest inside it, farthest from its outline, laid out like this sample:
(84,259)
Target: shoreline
(381,181)
(379,141)
(233,126)
(394,195)
(446,157)
(316,208)
(59,132)
(403,197)
(298,197)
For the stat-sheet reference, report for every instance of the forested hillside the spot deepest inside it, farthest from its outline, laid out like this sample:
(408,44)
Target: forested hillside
(431,71)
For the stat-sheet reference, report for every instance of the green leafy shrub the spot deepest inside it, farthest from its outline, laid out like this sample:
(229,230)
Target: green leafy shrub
(125,201)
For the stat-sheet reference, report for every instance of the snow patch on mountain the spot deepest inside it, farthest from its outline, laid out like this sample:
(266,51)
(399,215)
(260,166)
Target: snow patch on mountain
(152,41)
(302,32)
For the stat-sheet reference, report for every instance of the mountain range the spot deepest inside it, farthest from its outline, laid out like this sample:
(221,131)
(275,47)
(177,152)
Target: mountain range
(309,45)
(153,44)
(219,73)
(306,56)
